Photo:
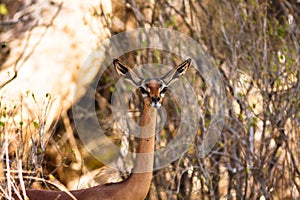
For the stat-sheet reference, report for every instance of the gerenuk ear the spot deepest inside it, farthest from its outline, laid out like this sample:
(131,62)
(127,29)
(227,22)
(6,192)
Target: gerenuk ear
(126,72)
(175,73)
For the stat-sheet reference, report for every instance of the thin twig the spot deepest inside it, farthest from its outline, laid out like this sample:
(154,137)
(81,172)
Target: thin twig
(15,70)
(9,183)
(60,186)
(22,184)
(138,15)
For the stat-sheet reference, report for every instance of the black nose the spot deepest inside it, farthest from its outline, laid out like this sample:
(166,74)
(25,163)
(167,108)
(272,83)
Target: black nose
(155,100)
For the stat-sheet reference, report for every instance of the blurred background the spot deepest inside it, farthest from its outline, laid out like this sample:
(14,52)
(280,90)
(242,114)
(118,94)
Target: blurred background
(253,44)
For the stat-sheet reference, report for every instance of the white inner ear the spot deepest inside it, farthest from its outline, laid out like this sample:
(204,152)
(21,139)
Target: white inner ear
(162,94)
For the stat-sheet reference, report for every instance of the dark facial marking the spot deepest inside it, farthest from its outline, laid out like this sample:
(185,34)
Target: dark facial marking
(143,91)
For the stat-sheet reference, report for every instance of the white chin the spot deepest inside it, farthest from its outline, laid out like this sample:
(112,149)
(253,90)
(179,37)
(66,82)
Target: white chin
(155,105)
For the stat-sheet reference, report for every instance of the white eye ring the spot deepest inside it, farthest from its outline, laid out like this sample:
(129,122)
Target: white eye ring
(144,92)
(163,91)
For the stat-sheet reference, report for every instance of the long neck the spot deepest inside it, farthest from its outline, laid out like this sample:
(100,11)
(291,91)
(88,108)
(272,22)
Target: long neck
(145,150)
(136,186)
(140,179)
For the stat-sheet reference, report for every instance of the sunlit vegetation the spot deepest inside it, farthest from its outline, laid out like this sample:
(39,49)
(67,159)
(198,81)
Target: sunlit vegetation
(255,47)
